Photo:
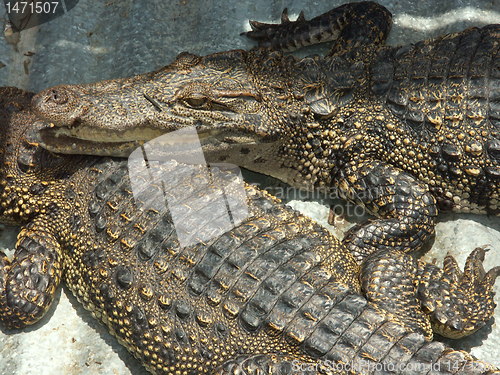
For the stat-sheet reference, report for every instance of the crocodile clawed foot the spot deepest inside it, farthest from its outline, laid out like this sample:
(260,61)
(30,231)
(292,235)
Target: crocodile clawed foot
(459,303)
(263,32)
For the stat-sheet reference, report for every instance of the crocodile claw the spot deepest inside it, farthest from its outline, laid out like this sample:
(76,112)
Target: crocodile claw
(262,31)
(459,302)
(284,16)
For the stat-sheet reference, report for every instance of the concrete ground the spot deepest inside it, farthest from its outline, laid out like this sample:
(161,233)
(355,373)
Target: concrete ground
(116,38)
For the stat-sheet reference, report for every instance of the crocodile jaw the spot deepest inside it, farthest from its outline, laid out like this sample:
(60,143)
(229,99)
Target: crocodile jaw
(65,144)
(95,141)
(92,141)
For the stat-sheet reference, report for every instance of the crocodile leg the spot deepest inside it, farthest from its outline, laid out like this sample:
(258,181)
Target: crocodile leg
(453,302)
(350,25)
(28,282)
(388,280)
(459,303)
(405,208)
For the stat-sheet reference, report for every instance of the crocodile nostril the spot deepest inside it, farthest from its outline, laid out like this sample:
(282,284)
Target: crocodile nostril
(57,96)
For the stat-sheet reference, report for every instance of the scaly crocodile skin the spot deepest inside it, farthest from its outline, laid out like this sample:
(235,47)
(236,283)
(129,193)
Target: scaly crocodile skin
(404,131)
(276,294)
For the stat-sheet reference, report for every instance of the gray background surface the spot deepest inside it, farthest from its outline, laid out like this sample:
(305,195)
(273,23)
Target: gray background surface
(107,39)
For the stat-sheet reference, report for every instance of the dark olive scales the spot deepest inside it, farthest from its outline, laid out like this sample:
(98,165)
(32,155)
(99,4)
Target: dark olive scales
(273,294)
(407,132)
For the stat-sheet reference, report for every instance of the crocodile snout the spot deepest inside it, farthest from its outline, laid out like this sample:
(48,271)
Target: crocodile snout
(58,104)
(50,99)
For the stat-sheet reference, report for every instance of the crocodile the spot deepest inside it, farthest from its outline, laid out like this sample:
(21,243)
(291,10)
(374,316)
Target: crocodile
(274,294)
(406,132)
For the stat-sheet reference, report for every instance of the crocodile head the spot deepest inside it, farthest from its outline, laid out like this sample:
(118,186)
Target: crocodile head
(215,94)
(245,106)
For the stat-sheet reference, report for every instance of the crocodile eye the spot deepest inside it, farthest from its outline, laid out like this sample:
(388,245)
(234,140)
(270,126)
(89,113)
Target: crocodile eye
(197,102)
